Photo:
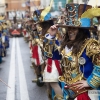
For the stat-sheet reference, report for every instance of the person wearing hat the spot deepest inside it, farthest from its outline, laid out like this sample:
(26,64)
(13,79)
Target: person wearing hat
(39,30)
(80,54)
(52,68)
(36,54)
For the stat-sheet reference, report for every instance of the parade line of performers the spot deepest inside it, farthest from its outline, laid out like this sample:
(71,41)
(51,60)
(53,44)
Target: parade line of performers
(4,38)
(64,53)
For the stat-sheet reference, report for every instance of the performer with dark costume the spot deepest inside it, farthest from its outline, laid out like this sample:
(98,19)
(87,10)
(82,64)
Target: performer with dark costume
(80,54)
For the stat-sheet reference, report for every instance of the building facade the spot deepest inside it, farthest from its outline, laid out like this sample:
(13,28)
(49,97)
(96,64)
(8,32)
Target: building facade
(15,8)
(39,4)
(2,7)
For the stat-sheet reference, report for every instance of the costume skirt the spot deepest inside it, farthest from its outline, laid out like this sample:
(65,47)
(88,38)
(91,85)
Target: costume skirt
(51,74)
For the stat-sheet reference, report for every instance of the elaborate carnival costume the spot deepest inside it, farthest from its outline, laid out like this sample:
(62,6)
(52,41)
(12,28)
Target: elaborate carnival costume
(37,58)
(85,64)
(52,70)
(28,30)
(38,34)
(5,30)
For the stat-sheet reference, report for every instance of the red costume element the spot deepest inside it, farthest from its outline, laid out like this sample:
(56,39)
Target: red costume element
(24,31)
(15,32)
(49,67)
(83,96)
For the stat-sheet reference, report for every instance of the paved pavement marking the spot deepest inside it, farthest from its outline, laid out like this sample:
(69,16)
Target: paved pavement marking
(11,80)
(22,80)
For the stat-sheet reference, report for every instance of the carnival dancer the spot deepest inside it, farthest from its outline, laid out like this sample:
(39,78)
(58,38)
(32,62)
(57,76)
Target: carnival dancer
(37,56)
(24,25)
(24,32)
(28,29)
(6,32)
(30,34)
(80,53)
(52,70)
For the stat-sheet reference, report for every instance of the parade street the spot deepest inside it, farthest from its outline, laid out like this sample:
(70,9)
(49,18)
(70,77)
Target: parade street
(49,49)
(15,70)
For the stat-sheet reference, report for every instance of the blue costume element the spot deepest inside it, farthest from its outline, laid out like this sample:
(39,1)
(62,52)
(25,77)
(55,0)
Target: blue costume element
(88,66)
(7,41)
(0,34)
(47,17)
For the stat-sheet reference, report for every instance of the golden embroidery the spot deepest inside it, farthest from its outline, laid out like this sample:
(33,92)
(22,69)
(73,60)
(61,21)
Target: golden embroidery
(48,47)
(92,48)
(71,68)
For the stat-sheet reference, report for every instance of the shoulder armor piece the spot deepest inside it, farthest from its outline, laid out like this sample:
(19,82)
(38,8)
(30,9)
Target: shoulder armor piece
(92,48)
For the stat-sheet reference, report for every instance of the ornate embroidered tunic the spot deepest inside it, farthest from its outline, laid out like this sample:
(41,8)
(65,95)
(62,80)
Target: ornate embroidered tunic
(84,65)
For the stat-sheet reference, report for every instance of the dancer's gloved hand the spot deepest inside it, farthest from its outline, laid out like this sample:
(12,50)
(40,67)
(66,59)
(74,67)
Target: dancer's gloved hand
(79,85)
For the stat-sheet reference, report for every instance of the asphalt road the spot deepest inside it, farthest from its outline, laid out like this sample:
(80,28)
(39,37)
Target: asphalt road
(16,72)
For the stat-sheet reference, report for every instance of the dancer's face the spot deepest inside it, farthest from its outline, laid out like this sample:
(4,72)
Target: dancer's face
(72,33)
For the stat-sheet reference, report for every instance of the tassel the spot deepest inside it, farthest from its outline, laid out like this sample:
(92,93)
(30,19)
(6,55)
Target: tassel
(58,67)
(49,65)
